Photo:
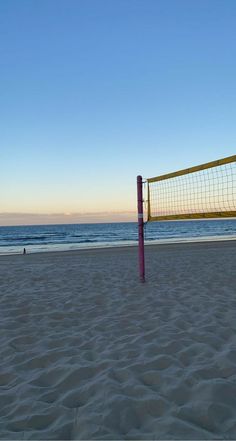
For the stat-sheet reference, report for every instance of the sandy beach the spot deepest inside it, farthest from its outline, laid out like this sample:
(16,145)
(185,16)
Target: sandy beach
(87,352)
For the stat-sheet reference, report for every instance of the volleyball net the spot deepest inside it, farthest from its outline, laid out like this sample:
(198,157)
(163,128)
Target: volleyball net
(202,192)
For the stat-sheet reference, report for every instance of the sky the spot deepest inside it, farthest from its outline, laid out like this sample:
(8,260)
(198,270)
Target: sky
(95,92)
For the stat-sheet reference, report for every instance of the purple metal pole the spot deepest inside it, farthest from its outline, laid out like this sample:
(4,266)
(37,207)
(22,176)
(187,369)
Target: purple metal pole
(140,229)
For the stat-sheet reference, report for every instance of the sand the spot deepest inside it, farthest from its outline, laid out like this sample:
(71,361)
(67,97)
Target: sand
(87,352)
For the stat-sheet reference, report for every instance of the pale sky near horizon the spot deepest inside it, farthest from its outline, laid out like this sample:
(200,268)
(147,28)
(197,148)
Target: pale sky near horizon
(94,92)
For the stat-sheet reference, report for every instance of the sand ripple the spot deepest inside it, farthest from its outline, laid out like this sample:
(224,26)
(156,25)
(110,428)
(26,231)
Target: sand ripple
(89,353)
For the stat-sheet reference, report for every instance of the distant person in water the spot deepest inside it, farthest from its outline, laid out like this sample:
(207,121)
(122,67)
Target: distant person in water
(24,251)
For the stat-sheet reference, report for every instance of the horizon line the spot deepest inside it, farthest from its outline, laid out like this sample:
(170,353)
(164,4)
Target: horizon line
(27,219)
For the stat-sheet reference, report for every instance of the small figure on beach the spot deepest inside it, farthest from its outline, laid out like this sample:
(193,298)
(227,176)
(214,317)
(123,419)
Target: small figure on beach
(24,251)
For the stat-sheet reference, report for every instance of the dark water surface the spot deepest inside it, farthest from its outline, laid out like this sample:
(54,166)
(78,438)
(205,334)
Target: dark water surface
(37,238)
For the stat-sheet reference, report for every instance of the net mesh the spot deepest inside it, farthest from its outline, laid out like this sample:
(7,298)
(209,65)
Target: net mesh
(209,192)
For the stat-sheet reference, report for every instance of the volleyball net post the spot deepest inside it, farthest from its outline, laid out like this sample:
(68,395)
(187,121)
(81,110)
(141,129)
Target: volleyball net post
(140,229)
(206,191)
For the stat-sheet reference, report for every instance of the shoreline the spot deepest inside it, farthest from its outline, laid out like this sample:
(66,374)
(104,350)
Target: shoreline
(81,248)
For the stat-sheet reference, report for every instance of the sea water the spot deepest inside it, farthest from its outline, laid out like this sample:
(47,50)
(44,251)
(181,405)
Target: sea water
(40,238)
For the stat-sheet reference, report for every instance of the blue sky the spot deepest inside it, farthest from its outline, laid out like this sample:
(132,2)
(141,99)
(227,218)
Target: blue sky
(94,92)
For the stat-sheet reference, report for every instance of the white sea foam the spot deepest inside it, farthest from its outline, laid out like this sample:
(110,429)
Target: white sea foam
(47,238)
(100,245)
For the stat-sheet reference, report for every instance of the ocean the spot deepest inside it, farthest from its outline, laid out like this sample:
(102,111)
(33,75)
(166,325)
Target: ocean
(43,238)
